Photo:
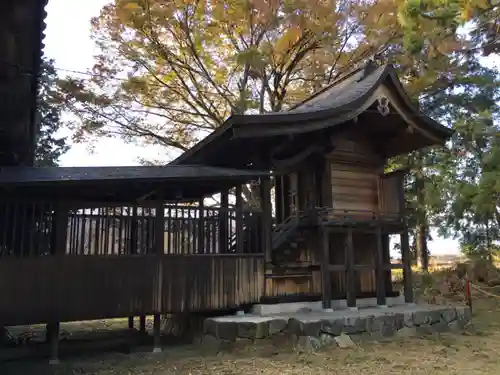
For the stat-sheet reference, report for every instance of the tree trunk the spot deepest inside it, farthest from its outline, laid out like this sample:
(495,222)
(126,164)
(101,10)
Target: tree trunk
(422,225)
(421,247)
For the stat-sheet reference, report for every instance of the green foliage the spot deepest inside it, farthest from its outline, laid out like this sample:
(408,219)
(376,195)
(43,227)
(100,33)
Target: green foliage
(49,146)
(462,180)
(445,16)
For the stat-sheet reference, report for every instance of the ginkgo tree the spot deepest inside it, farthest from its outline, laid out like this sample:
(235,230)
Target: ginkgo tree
(170,72)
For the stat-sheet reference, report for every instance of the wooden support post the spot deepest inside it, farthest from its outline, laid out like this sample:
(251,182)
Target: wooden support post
(223,222)
(59,230)
(380,269)
(350,273)
(265,199)
(156,333)
(406,259)
(130,322)
(278,198)
(326,284)
(201,227)
(53,338)
(142,324)
(134,227)
(239,219)
(318,183)
(286,196)
(159,249)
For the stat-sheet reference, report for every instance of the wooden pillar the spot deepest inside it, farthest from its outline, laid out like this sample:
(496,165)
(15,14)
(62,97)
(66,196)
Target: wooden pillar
(142,324)
(223,222)
(156,333)
(159,250)
(318,183)
(265,199)
(380,269)
(58,249)
(278,198)
(201,227)
(59,230)
(326,185)
(350,273)
(286,196)
(406,259)
(239,219)
(326,285)
(53,338)
(134,227)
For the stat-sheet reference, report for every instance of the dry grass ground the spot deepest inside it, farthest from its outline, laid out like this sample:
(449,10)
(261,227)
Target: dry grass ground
(475,352)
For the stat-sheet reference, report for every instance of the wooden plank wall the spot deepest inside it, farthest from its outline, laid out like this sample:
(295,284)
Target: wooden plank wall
(354,170)
(354,188)
(304,255)
(365,247)
(390,187)
(72,288)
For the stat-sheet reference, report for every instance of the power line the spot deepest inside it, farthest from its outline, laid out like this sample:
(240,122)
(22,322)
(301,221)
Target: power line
(90,74)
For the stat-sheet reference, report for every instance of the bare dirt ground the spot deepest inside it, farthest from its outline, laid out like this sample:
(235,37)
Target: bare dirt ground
(475,352)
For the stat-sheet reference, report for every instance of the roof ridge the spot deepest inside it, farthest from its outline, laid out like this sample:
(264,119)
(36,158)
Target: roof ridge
(334,83)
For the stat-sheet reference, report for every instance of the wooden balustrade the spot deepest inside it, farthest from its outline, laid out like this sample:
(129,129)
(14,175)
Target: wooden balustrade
(27,230)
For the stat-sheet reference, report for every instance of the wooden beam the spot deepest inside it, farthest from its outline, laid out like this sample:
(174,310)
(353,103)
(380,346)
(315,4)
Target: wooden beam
(239,219)
(379,270)
(53,335)
(223,222)
(201,227)
(350,273)
(297,158)
(134,228)
(286,196)
(157,333)
(159,225)
(319,175)
(59,230)
(278,198)
(326,284)
(265,200)
(142,323)
(159,249)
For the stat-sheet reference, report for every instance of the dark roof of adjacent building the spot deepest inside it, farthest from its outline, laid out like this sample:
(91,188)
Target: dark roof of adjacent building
(337,104)
(120,184)
(22,24)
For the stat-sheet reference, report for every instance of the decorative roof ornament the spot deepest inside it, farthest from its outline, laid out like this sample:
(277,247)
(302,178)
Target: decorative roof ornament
(383,105)
(372,64)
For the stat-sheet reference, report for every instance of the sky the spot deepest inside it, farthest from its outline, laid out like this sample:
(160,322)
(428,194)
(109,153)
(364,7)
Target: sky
(68,42)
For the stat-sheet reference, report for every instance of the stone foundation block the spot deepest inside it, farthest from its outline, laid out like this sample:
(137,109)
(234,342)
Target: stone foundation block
(332,326)
(221,330)
(253,330)
(304,327)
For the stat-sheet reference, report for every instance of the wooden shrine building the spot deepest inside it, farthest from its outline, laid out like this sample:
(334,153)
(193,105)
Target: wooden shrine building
(335,205)
(103,242)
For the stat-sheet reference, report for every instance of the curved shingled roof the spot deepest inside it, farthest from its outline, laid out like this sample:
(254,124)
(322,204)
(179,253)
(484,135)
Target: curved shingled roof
(336,104)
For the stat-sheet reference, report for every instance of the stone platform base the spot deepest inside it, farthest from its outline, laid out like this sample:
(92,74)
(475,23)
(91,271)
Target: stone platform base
(297,307)
(313,329)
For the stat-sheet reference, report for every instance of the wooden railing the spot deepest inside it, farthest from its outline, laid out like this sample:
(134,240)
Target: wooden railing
(67,288)
(26,230)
